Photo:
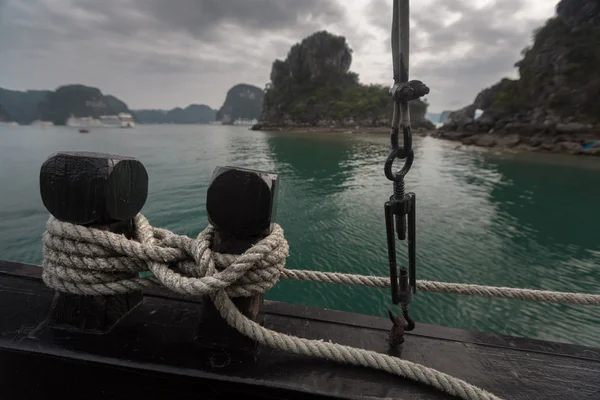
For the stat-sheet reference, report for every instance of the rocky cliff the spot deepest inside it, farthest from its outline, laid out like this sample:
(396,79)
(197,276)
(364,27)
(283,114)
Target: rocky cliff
(314,86)
(4,115)
(242,101)
(555,103)
(22,106)
(79,101)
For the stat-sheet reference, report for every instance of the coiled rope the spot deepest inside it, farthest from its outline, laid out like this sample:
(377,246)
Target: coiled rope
(90,261)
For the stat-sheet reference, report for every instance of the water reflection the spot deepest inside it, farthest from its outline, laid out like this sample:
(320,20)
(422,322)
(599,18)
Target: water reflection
(319,162)
(530,235)
(558,206)
(314,171)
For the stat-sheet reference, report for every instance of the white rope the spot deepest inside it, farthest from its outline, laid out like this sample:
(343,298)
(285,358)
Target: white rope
(89,261)
(545,296)
(346,354)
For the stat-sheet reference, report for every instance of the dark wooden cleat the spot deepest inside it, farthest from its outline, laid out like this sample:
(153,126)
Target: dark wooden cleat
(242,202)
(93,188)
(104,192)
(241,205)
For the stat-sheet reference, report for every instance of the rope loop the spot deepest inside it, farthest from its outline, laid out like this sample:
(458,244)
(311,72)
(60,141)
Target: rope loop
(90,261)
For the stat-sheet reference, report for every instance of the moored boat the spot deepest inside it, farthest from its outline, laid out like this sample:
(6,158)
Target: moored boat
(42,124)
(110,121)
(83,122)
(127,120)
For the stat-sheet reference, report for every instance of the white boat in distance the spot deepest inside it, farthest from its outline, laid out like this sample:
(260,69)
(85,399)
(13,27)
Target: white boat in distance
(126,120)
(43,124)
(83,122)
(122,120)
(110,121)
(245,121)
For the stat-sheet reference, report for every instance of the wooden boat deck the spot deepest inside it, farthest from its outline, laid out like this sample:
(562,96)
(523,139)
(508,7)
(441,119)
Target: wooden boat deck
(154,352)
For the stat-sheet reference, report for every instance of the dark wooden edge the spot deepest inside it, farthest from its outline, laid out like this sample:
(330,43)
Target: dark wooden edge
(30,271)
(436,331)
(211,379)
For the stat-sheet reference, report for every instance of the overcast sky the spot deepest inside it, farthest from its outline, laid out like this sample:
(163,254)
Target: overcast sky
(167,53)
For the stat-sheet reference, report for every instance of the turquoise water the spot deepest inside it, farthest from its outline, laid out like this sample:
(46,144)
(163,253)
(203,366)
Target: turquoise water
(513,220)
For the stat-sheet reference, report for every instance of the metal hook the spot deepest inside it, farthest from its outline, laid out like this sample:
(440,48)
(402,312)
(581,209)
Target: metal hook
(399,324)
(410,323)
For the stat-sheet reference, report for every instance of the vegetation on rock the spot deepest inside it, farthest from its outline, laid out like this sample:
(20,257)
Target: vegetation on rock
(242,101)
(116,105)
(192,114)
(314,86)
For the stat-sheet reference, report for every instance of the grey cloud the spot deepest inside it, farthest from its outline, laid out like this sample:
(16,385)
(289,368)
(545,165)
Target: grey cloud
(493,33)
(206,16)
(481,27)
(194,50)
(184,65)
(65,41)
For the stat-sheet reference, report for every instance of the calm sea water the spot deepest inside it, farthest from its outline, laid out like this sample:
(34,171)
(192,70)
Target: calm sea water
(512,220)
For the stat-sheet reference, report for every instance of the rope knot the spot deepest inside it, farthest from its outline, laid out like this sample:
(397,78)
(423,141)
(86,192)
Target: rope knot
(90,261)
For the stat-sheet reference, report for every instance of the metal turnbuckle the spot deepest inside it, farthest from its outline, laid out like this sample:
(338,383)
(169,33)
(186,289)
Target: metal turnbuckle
(404,284)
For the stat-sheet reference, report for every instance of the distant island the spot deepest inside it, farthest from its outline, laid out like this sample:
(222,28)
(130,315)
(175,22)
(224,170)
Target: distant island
(242,104)
(555,104)
(78,101)
(26,107)
(314,87)
(192,114)
(21,106)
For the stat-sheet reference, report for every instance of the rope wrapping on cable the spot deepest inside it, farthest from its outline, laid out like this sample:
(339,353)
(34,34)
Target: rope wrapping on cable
(88,261)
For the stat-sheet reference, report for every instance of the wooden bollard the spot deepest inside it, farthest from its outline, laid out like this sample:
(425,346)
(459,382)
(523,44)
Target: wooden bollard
(104,192)
(241,205)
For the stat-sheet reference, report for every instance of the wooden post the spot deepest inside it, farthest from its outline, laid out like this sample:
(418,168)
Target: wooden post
(241,205)
(101,191)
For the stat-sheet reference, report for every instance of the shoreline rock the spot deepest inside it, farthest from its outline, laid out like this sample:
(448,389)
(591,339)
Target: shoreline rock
(546,139)
(586,144)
